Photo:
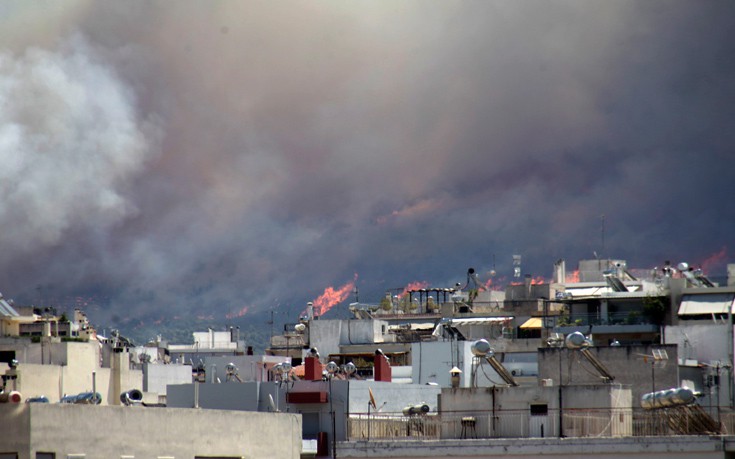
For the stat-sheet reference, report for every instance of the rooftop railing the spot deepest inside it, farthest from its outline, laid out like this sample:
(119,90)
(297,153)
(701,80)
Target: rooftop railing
(522,424)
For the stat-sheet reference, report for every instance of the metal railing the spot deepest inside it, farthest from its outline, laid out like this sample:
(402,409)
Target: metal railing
(613,318)
(691,420)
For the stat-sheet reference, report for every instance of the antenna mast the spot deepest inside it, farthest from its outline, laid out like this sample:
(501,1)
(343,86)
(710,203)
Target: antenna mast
(602,229)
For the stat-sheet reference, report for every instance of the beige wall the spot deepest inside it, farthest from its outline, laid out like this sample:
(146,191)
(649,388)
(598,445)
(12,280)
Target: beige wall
(111,432)
(55,381)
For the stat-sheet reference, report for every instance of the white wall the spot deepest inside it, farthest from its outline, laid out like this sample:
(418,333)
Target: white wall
(431,361)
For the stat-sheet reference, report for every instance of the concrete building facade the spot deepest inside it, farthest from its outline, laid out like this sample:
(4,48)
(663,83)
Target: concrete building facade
(87,431)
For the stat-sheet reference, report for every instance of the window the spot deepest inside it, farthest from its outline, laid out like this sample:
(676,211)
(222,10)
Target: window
(539,410)
(8,455)
(45,455)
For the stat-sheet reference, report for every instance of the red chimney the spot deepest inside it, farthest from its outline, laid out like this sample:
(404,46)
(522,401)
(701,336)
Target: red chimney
(381,369)
(313,369)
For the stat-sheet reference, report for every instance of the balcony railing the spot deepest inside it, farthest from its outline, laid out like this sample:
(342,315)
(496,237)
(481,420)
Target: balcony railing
(523,424)
(613,318)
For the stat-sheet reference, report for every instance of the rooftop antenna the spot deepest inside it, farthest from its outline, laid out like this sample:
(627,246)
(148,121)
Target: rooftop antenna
(602,231)
(516,266)
(270,322)
(658,358)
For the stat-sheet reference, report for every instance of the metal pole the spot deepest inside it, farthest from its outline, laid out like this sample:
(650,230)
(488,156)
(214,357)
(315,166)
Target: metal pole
(334,425)
(653,377)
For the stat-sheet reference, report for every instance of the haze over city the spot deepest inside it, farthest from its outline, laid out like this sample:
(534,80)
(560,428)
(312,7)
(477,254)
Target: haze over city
(223,159)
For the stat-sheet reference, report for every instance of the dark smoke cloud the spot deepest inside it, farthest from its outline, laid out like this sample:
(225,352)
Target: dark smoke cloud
(198,158)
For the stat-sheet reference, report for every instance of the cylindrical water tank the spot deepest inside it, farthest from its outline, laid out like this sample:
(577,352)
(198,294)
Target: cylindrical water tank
(667,398)
(683,396)
(421,408)
(575,340)
(480,347)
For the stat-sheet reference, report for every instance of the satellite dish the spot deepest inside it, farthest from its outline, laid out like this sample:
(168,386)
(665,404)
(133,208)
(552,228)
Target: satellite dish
(286,367)
(332,368)
(299,327)
(683,266)
(350,368)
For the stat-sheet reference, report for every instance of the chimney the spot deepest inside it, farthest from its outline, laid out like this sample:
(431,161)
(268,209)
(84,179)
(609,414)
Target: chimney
(381,368)
(560,272)
(313,369)
(730,274)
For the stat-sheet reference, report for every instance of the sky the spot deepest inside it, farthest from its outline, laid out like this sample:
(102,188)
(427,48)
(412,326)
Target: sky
(221,159)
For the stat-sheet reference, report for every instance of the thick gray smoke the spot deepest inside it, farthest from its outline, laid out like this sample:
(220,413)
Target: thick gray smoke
(208,158)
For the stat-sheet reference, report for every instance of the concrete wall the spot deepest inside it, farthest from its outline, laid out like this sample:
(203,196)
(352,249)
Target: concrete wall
(506,411)
(226,396)
(431,362)
(112,432)
(391,398)
(706,343)
(55,381)
(325,336)
(685,447)
(328,335)
(625,363)
(347,397)
(157,376)
(700,340)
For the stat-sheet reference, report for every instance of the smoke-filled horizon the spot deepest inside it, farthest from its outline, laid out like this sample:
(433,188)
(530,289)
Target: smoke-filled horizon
(218,159)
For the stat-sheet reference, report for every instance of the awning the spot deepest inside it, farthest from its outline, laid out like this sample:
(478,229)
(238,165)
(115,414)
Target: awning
(711,303)
(533,323)
(477,321)
(412,326)
(468,321)
(6,309)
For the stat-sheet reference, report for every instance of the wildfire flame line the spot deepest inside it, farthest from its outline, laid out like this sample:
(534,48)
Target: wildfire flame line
(240,313)
(332,297)
(417,285)
(538,280)
(714,260)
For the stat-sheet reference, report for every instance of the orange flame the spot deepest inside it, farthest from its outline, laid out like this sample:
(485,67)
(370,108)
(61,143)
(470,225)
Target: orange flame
(714,261)
(418,285)
(538,280)
(332,297)
(497,285)
(572,277)
(239,313)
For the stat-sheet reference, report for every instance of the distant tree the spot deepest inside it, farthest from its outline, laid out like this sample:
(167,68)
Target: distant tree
(654,308)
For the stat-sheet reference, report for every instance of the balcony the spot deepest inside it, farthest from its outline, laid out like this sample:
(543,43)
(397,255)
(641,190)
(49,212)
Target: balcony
(616,322)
